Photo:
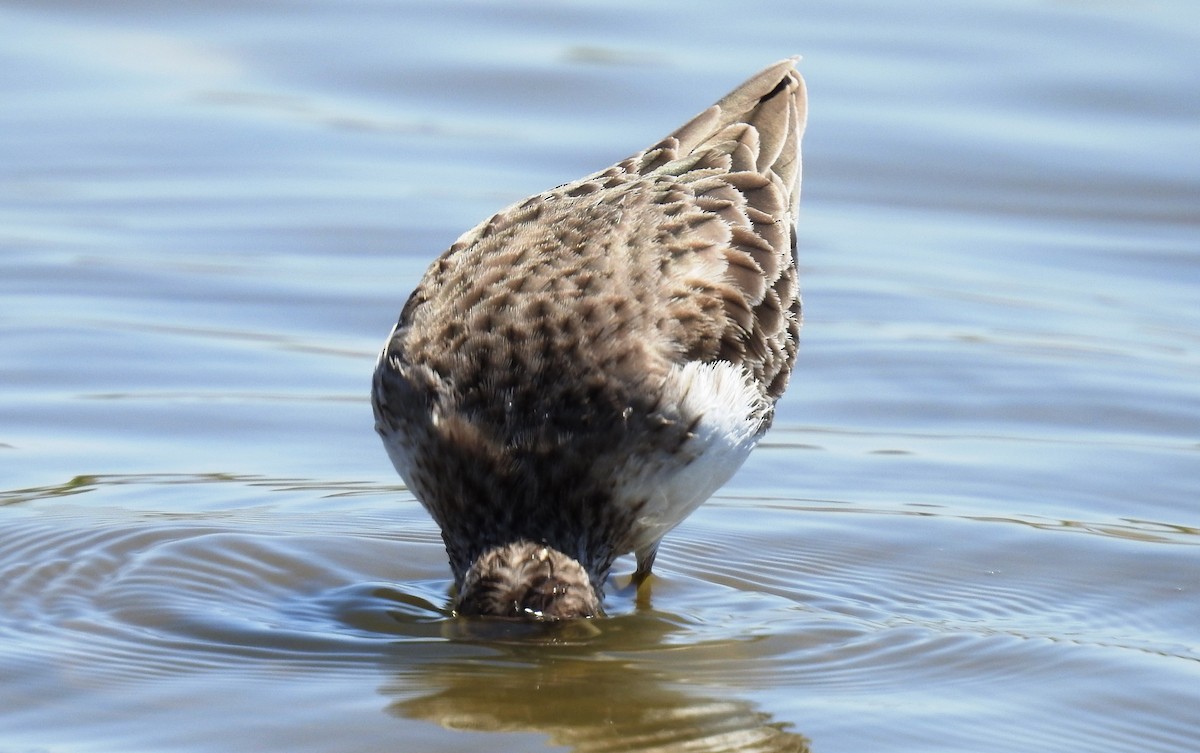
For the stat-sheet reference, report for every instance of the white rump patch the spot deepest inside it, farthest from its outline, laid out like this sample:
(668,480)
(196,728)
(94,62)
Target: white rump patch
(728,409)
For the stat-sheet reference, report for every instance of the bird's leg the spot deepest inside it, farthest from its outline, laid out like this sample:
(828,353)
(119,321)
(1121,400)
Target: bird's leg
(645,561)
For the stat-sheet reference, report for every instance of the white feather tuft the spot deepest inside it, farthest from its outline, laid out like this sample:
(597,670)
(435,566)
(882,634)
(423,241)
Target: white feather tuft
(729,410)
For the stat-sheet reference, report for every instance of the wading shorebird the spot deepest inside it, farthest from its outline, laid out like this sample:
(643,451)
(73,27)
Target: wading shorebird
(578,373)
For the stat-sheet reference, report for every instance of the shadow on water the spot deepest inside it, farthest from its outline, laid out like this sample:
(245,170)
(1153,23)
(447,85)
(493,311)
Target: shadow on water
(580,685)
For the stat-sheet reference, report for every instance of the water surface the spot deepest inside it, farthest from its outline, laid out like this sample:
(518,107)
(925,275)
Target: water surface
(973,527)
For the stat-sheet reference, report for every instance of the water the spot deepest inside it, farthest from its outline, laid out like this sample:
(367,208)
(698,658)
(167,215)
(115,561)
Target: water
(974,526)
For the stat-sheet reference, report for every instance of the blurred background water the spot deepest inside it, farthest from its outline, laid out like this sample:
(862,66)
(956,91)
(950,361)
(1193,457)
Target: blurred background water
(973,527)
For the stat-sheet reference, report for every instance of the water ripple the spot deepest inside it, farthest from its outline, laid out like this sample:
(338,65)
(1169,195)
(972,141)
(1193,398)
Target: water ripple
(796,600)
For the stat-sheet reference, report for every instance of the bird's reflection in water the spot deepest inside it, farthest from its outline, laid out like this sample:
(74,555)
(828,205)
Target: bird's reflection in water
(575,684)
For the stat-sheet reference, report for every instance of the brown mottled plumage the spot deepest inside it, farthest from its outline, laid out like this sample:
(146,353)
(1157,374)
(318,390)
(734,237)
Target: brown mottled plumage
(580,371)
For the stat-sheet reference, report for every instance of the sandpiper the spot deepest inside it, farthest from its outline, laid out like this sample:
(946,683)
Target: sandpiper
(579,372)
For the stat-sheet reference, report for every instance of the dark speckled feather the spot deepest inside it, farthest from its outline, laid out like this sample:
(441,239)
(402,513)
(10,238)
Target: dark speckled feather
(582,369)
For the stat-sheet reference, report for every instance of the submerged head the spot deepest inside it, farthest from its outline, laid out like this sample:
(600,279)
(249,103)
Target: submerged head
(527,581)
